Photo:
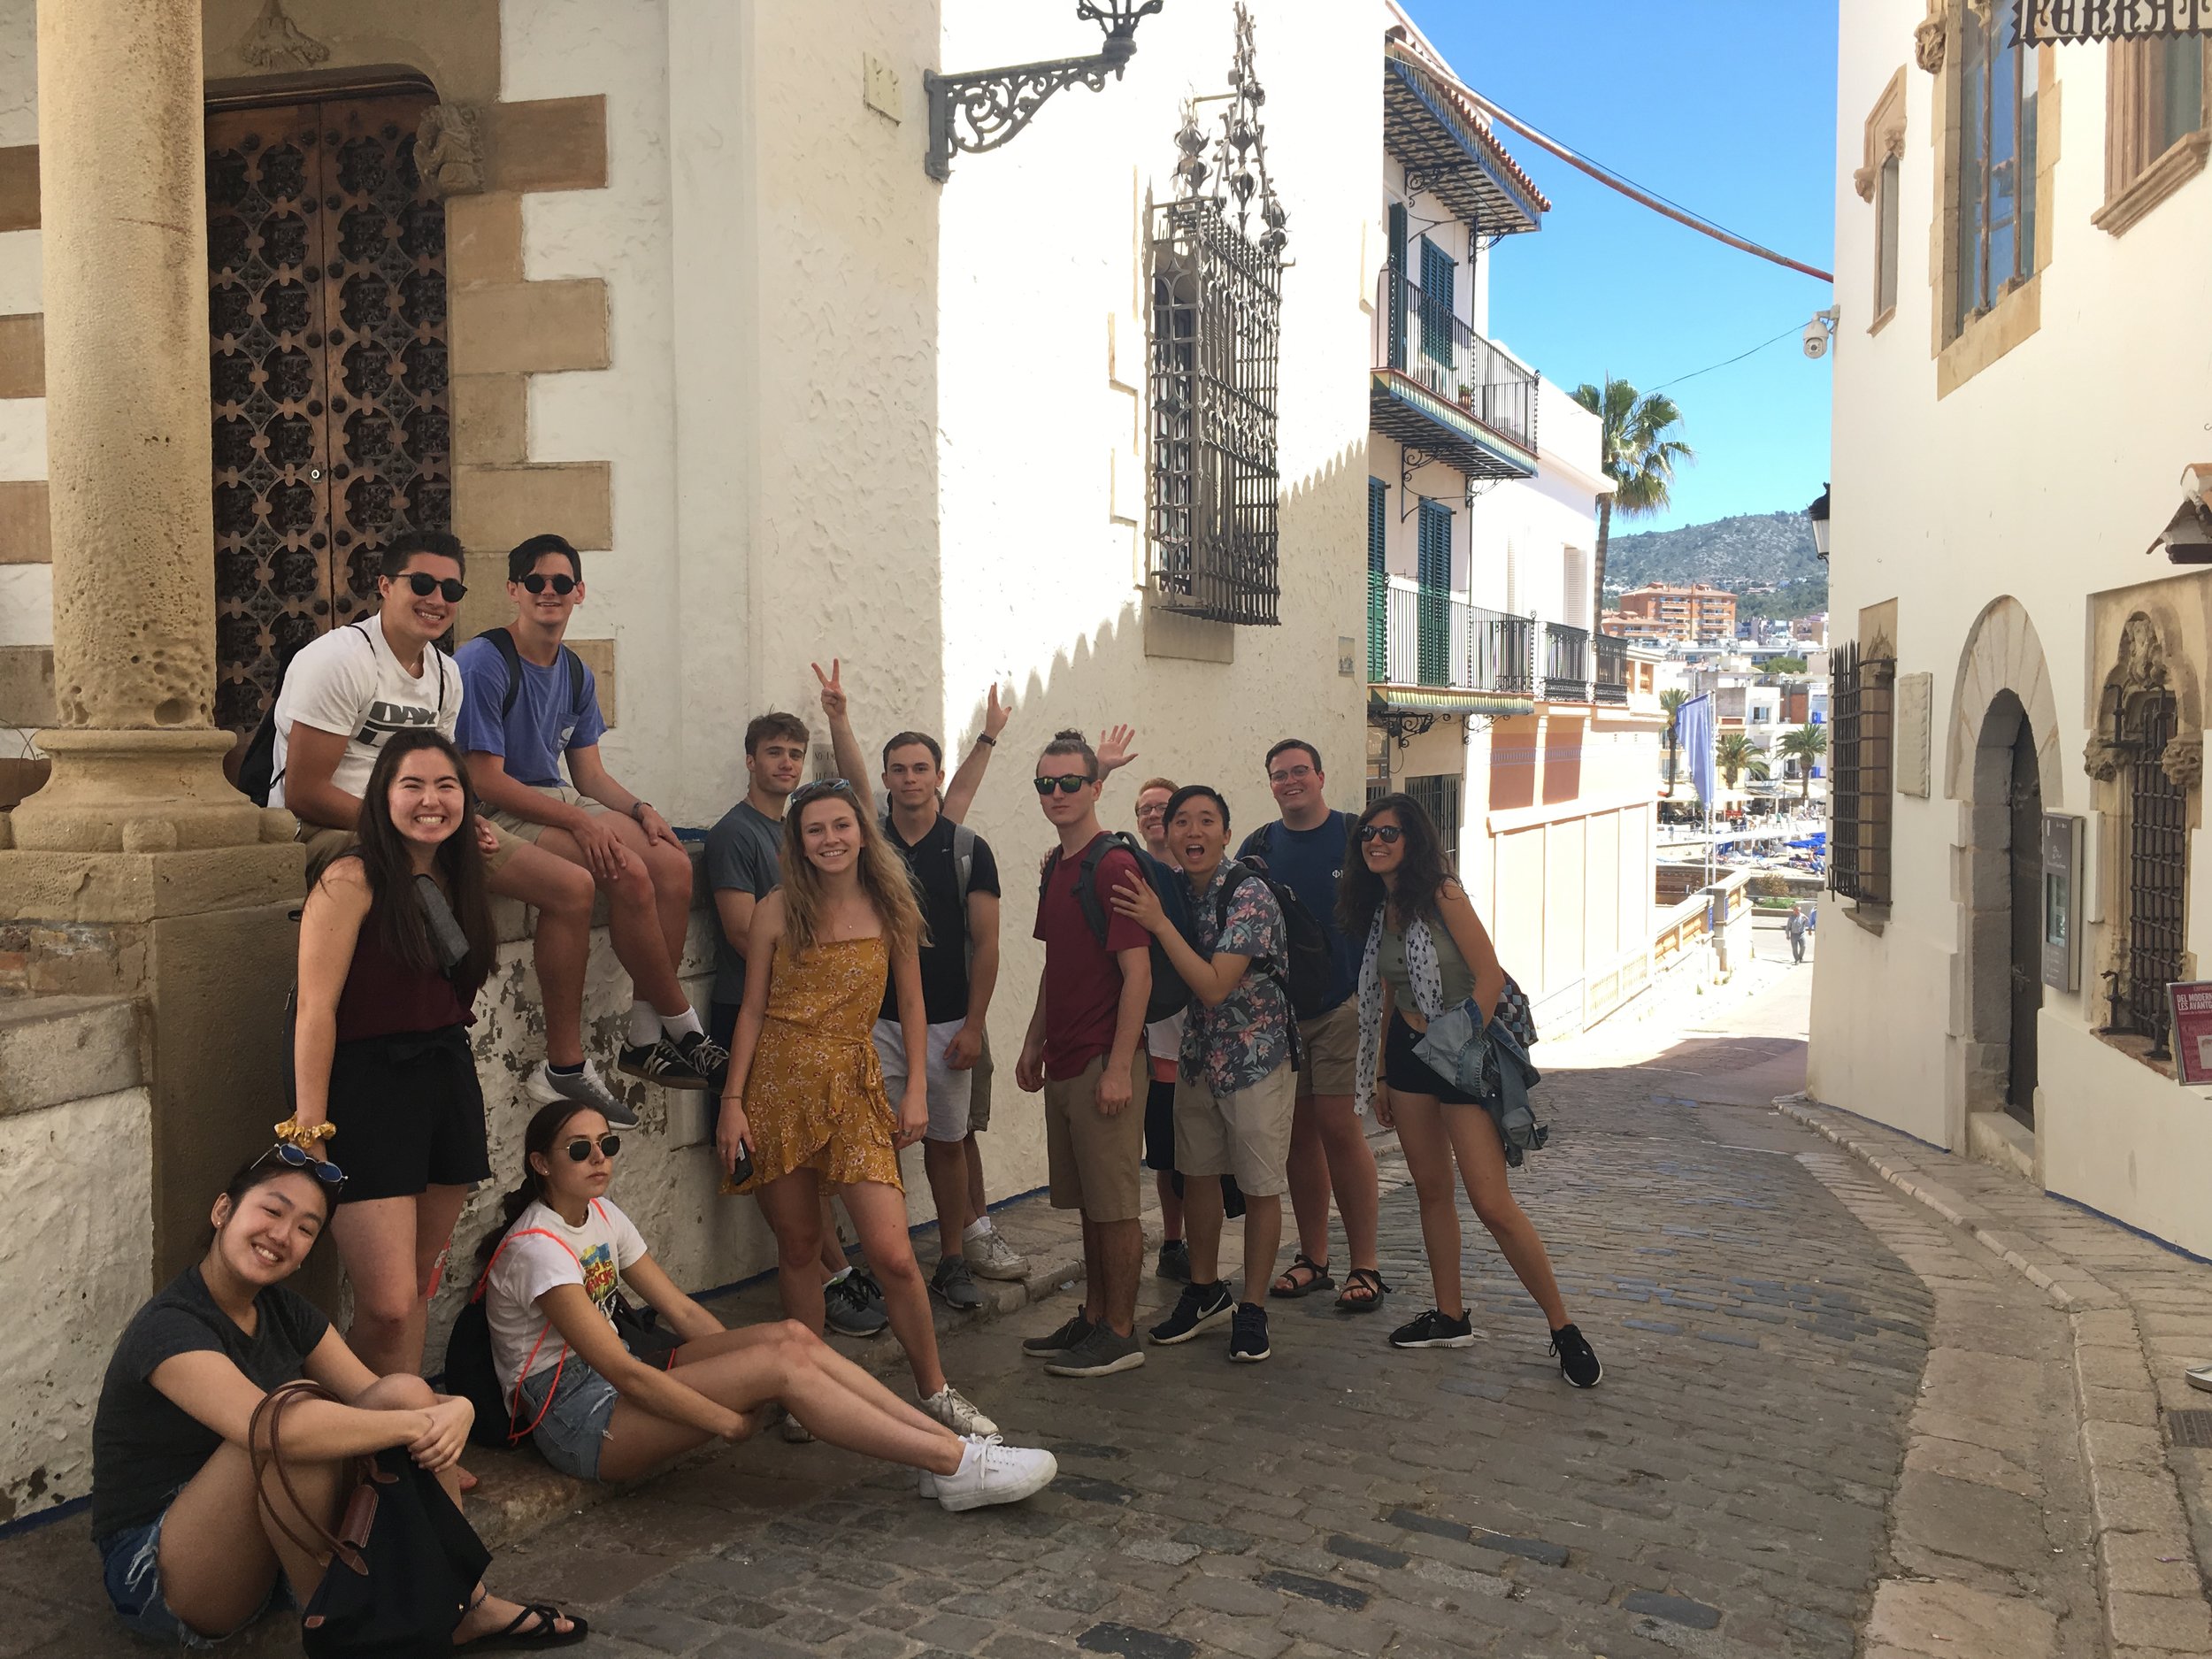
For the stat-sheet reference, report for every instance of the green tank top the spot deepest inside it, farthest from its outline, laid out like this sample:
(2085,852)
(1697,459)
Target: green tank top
(1451,968)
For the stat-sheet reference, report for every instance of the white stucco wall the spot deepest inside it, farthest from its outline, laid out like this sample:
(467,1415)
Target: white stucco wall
(2043,477)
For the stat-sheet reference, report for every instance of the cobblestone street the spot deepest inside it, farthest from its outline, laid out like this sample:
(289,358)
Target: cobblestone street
(1809,1440)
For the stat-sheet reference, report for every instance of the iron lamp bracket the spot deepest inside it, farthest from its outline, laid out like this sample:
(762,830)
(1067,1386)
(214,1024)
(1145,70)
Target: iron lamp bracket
(984,108)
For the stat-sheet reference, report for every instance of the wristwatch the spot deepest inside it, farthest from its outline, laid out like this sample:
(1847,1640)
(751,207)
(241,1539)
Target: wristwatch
(984,737)
(637,810)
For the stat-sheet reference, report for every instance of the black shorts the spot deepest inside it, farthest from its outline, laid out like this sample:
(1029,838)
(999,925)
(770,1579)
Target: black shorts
(1408,1073)
(722,1024)
(409,1115)
(1159,1126)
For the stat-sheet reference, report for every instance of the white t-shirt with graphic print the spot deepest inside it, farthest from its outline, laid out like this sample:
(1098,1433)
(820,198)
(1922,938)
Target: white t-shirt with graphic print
(594,1255)
(349,684)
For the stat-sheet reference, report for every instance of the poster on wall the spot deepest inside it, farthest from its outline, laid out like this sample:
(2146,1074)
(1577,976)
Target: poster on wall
(2191,1006)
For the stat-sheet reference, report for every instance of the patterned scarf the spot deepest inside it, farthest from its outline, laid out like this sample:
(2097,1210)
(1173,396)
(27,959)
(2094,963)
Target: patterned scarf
(1427,984)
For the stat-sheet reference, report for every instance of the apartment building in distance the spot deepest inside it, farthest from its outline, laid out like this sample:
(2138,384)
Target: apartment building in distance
(1691,612)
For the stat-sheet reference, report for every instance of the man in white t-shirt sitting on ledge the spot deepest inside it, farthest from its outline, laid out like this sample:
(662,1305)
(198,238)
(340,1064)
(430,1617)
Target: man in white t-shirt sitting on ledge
(343,695)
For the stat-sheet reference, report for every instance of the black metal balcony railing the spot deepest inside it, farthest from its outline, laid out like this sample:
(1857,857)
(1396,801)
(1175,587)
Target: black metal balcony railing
(1424,637)
(1417,335)
(1610,683)
(1566,662)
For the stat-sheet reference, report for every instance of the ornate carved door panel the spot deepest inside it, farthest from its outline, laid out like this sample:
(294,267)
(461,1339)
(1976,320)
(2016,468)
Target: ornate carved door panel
(328,333)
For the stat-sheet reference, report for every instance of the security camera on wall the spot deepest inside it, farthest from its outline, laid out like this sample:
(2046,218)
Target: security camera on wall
(1816,338)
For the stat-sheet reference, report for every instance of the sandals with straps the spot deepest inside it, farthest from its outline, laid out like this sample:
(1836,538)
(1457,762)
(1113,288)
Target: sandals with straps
(1318,1277)
(542,1634)
(1366,1281)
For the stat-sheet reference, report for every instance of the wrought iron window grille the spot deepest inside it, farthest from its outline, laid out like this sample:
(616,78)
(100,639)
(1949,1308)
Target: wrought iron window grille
(2157,867)
(1215,329)
(1859,776)
(983,109)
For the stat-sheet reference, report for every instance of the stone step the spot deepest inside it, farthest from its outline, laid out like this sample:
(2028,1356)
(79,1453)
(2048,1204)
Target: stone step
(55,1049)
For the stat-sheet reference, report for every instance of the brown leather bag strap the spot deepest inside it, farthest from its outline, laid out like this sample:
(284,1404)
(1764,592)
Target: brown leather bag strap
(272,1410)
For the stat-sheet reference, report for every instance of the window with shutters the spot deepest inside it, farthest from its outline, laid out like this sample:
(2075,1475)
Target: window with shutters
(1433,575)
(2155,135)
(1440,280)
(1378,580)
(1859,776)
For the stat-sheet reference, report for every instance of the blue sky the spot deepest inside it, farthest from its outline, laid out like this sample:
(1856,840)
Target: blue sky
(1726,107)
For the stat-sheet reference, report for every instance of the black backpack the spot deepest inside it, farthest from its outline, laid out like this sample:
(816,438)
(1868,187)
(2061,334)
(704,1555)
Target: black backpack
(1170,995)
(256,767)
(1308,974)
(503,641)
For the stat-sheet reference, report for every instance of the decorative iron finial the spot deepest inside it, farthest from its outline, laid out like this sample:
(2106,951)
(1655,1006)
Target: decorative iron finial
(1239,169)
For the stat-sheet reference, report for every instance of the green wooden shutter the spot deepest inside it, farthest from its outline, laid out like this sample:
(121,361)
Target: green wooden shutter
(1434,575)
(1398,279)
(1378,582)
(1440,277)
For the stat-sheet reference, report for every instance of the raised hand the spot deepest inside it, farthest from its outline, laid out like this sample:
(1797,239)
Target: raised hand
(833,688)
(1114,752)
(995,713)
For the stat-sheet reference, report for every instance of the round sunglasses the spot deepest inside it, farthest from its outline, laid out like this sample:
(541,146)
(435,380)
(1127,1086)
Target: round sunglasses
(561,585)
(580,1148)
(425,585)
(1066,783)
(294,1158)
(809,793)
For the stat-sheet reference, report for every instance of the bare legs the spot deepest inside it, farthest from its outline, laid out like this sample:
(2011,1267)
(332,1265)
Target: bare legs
(1113,1255)
(945,1164)
(562,893)
(1329,1156)
(746,1370)
(391,1248)
(1434,1136)
(643,902)
(1263,1234)
(793,1205)
(1171,1212)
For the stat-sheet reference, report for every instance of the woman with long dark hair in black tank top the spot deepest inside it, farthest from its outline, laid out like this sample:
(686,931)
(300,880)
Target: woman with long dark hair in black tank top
(395,943)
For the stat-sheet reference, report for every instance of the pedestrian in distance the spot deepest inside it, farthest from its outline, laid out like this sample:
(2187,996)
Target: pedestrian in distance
(1306,849)
(1794,930)
(395,943)
(344,696)
(598,1411)
(1085,1051)
(531,708)
(1427,951)
(1237,1086)
(957,879)
(195,1543)
(744,864)
(805,1101)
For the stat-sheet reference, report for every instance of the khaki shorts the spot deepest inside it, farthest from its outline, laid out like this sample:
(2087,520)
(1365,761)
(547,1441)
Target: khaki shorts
(1331,1042)
(1095,1161)
(1245,1135)
(324,844)
(527,829)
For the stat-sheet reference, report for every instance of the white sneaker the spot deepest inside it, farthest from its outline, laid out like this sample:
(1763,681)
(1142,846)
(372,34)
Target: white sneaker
(586,1087)
(957,1413)
(990,1256)
(925,1483)
(796,1432)
(993,1472)
(2200,1377)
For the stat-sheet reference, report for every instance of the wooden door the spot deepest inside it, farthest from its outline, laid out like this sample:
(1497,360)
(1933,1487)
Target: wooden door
(327,308)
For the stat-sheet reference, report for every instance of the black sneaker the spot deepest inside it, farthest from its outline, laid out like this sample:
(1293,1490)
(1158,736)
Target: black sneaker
(1577,1360)
(706,1058)
(854,1305)
(1056,1343)
(1102,1351)
(1433,1330)
(1200,1306)
(1174,1261)
(658,1062)
(1248,1336)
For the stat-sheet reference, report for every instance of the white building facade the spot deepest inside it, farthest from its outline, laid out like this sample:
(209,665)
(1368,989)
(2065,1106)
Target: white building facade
(2017,767)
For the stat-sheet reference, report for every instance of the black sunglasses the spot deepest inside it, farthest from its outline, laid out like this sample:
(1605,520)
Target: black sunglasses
(580,1148)
(293,1158)
(1066,783)
(425,585)
(1386,834)
(819,787)
(561,585)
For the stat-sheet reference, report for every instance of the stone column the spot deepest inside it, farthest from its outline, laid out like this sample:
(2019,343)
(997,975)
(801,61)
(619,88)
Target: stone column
(136,757)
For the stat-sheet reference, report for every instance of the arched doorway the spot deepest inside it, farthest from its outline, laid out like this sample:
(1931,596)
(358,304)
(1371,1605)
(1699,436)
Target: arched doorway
(2024,798)
(2003,933)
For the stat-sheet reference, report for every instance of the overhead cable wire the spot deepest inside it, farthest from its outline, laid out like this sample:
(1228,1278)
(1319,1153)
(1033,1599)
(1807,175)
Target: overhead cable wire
(1738,357)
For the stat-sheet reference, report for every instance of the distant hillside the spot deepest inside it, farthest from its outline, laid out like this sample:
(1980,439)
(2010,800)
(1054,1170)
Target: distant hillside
(1757,550)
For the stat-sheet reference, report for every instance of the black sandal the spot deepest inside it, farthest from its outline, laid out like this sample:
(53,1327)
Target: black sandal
(541,1634)
(1364,1279)
(1322,1279)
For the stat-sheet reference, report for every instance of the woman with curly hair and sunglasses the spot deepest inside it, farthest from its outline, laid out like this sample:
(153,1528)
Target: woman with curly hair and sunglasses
(395,943)
(1427,952)
(805,1100)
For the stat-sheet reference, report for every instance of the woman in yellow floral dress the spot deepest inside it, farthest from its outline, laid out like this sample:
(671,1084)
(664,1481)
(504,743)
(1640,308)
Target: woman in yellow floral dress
(805,1094)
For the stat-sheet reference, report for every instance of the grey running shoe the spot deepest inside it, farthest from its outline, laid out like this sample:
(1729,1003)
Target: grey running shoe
(957,1413)
(586,1087)
(1056,1343)
(990,1256)
(854,1305)
(954,1285)
(1101,1354)
(1175,1264)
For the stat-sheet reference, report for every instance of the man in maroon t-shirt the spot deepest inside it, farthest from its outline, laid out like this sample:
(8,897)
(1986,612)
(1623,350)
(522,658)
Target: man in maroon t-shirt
(1085,1051)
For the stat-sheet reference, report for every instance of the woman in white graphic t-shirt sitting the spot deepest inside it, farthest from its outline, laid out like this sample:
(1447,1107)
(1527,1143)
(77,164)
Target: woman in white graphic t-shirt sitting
(598,1411)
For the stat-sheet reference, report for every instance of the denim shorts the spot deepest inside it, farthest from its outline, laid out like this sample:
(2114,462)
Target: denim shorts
(130,1567)
(569,1433)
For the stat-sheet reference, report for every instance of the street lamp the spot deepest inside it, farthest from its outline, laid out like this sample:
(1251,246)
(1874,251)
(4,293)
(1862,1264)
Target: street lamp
(1818,513)
(983,108)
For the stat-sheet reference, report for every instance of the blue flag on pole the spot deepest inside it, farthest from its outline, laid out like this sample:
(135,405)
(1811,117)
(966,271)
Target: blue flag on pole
(1693,739)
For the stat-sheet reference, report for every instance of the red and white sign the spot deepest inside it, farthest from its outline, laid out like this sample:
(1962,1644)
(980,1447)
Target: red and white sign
(2191,1007)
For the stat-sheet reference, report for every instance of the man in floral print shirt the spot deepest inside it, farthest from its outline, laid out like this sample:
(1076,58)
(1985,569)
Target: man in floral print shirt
(1237,1086)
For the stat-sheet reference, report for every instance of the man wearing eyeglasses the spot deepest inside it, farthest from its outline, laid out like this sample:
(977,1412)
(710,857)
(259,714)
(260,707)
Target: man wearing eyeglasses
(347,692)
(532,705)
(1304,850)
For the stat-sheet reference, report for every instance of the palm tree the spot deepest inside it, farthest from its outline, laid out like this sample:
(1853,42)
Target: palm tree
(1638,455)
(1805,745)
(1671,700)
(1736,756)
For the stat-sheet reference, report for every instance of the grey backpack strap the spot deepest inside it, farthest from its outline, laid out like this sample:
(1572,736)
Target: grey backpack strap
(964,856)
